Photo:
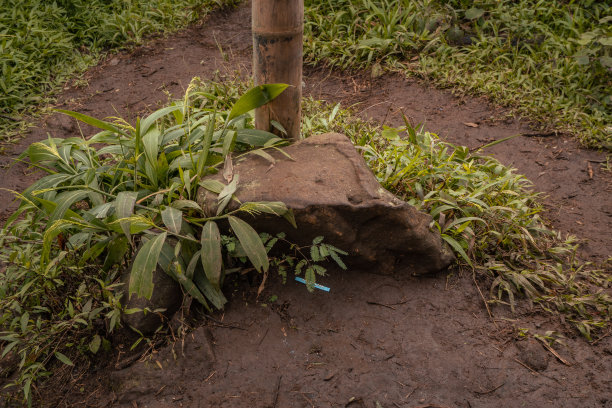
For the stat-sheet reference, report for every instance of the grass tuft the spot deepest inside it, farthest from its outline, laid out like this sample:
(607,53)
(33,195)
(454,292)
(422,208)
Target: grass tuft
(549,60)
(45,43)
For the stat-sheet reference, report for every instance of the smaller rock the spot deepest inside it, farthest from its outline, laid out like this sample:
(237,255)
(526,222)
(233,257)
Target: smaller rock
(532,354)
(167,295)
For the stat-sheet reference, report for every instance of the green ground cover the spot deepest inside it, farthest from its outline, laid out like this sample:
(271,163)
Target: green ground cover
(549,60)
(44,43)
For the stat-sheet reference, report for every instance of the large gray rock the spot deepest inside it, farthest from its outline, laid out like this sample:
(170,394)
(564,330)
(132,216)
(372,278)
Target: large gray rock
(333,193)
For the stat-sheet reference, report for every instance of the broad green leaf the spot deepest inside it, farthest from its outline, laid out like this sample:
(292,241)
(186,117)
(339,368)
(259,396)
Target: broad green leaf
(228,142)
(214,186)
(256,97)
(61,357)
(101,211)
(207,141)
(254,137)
(192,289)
(189,272)
(457,247)
(39,152)
(150,143)
(215,296)
(50,181)
(182,204)
(124,207)
(64,201)
(146,123)
(50,206)
(141,276)
(269,207)
(136,224)
(265,155)
(173,219)
(100,124)
(251,243)
(211,253)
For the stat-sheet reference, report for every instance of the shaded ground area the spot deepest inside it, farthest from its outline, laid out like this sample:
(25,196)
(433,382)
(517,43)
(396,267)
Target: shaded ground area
(402,342)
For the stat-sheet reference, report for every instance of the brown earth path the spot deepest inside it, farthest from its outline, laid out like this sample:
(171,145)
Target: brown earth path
(431,345)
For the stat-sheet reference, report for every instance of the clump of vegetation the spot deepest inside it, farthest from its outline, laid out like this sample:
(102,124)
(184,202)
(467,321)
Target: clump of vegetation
(131,204)
(548,60)
(77,227)
(44,43)
(488,214)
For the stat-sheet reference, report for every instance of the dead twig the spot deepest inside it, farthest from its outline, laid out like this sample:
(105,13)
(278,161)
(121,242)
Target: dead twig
(553,352)
(380,304)
(221,324)
(601,338)
(540,134)
(483,299)
(526,366)
(276,391)
(491,390)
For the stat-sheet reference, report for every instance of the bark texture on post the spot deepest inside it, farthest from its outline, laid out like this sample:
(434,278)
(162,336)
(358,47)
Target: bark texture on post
(278,27)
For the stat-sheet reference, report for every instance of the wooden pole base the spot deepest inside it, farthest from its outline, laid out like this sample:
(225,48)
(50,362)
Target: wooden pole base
(278,27)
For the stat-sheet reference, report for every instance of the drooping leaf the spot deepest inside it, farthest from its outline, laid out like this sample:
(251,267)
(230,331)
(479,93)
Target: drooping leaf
(146,123)
(214,186)
(265,155)
(182,204)
(214,295)
(254,137)
(251,243)
(141,275)
(226,194)
(256,97)
(64,200)
(124,207)
(211,252)
(100,124)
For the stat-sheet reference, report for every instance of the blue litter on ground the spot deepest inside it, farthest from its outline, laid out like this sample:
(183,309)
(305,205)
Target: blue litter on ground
(316,285)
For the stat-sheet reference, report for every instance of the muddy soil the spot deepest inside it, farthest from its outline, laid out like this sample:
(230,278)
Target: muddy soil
(396,342)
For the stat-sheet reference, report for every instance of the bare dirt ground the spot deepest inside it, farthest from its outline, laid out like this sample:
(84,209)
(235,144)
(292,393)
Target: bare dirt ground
(395,342)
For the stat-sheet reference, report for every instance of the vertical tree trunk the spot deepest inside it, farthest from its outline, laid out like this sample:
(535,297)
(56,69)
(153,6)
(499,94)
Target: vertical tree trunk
(278,27)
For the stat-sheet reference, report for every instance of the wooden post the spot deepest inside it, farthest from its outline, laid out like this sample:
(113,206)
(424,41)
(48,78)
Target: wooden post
(278,28)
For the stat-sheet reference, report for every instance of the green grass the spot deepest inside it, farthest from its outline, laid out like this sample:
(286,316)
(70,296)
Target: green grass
(487,213)
(45,43)
(548,60)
